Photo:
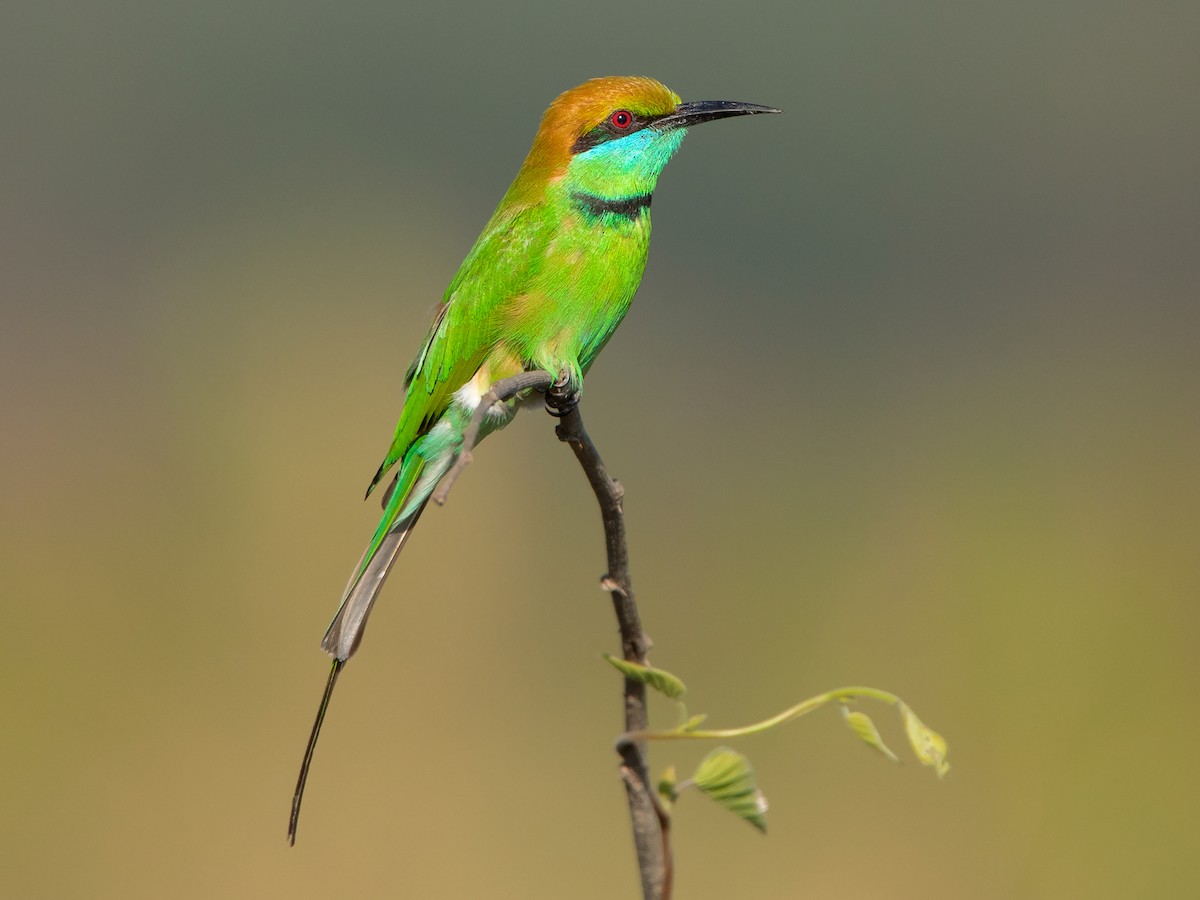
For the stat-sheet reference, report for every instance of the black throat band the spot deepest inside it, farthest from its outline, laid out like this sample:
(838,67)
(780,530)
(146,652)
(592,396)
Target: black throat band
(628,208)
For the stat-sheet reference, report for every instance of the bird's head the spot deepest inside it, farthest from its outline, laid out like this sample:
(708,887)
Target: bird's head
(611,137)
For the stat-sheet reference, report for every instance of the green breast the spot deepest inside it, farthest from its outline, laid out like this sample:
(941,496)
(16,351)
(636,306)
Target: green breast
(591,270)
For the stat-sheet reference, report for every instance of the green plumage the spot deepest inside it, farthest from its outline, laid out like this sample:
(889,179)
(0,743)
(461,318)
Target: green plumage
(546,284)
(544,287)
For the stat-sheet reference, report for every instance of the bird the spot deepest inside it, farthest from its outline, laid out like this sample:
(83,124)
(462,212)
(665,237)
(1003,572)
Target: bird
(543,289)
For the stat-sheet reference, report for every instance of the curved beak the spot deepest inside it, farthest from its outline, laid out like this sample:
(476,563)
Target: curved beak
(697,111)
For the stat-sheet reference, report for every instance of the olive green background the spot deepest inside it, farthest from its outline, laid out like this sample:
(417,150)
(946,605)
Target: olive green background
(909,398)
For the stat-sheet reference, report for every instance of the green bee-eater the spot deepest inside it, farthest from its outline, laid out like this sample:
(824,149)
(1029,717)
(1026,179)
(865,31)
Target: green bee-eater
(544,287)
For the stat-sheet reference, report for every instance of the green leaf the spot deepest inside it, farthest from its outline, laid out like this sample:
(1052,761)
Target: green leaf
(860,723)
(659,679)
(727,777)
(929,746)
(694,722)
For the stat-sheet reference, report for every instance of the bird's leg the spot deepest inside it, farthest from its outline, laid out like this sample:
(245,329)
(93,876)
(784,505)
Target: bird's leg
(563,396)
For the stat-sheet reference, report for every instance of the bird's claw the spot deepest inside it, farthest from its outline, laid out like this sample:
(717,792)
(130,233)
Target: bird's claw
(563,396)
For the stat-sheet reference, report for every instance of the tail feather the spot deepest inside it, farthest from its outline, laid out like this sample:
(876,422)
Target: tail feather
(424,464)
(298,796)
(387,495)
(345,631)
(405,500)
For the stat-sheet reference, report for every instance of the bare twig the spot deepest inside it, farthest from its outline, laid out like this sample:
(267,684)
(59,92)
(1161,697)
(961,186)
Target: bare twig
(502,390)
(651,824)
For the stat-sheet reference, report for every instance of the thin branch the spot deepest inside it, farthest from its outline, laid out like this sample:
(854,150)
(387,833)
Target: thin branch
(502,390)
(651,824)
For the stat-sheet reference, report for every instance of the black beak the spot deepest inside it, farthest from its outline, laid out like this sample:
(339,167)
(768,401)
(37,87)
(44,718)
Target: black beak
(697,111)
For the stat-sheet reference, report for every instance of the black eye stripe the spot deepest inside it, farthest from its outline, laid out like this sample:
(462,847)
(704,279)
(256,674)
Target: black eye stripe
(606,131)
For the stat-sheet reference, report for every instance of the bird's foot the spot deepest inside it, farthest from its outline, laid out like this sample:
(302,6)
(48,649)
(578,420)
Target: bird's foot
(563,396)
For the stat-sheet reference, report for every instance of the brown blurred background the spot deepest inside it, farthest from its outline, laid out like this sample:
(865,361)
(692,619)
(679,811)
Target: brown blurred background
(908,398)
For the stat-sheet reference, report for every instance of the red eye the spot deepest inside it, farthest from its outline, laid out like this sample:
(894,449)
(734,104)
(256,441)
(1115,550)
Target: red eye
(622,119)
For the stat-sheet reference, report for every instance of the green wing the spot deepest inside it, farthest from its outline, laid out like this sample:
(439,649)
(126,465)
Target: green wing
(505,259)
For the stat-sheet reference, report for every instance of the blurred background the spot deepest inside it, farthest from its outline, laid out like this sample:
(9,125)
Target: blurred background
(908,398)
